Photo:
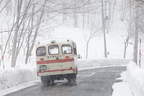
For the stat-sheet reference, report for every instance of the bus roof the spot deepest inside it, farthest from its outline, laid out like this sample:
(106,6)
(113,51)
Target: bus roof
(51,41)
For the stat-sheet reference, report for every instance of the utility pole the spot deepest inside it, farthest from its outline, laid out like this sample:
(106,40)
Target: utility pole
(136,33)
(103,29)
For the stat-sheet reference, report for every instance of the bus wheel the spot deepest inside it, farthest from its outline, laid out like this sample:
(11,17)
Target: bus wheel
(69,80)
(74,77)
(76,71)
(45,81)
(52,81)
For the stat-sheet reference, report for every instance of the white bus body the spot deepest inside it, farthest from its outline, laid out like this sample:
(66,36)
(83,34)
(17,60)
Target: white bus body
(56,59)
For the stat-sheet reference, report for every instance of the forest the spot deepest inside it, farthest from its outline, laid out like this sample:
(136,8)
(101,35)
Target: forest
(23,21)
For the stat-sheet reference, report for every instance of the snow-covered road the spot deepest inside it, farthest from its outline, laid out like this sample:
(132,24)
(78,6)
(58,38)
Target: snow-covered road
(90,82)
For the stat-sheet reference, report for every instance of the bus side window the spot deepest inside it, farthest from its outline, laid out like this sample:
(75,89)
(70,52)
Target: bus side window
(74,48)
(66,49)
(53,49)
(41,51)
(75,51)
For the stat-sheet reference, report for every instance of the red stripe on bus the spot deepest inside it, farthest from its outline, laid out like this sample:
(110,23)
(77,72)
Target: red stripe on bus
(55,71)
(55,61)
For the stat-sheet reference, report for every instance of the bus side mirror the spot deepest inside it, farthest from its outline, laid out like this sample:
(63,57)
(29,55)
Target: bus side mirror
(79,56)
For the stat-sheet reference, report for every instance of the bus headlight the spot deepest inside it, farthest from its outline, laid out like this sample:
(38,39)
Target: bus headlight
(43,67)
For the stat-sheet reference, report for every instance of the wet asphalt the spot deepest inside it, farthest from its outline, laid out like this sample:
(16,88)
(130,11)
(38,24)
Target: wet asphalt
(89,82)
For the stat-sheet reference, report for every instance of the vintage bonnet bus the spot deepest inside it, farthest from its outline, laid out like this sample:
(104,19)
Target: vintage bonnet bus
(56,59)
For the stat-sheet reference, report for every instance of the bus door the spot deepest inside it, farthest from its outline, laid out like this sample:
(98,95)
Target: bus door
(54,58)
(67,57)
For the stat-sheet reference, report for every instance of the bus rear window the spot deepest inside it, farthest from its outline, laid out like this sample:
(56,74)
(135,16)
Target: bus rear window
(53,49)
(41,51)
(66,49)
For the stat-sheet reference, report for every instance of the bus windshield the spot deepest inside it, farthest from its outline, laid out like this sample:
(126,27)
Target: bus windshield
(53,49)
(66,49)
(41,51)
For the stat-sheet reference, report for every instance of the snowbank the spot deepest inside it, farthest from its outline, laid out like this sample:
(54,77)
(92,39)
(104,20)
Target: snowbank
(121,88)
(135,78)
(101,62)
(14,76)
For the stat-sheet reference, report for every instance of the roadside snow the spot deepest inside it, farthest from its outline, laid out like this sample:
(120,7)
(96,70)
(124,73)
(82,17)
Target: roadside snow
(19,87)
(135,78)
(89,63)
(133,82)
(121,88)
(14,76)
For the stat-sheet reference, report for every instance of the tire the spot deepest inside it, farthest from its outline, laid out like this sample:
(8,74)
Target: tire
(76,71)
(74,77)
(45,81)
(52,81)
(71,78)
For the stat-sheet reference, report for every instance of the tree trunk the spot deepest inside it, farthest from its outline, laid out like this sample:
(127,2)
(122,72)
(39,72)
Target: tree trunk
(13,61)
(83,16)
(29,50)
(126,45)
(75,15)
(87,48)
(29,36)
(125,51)
(88,10)
(64,10)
